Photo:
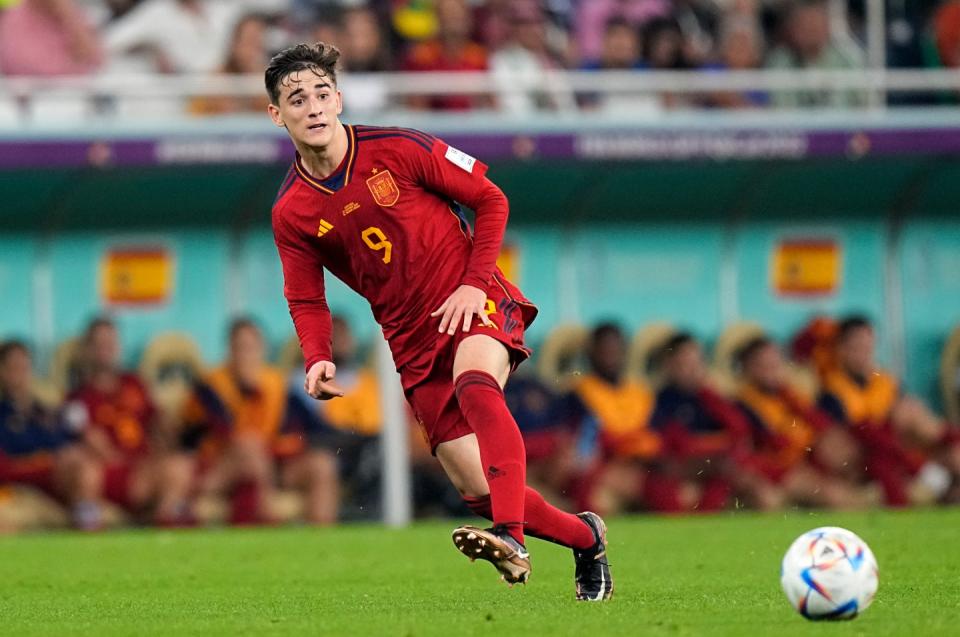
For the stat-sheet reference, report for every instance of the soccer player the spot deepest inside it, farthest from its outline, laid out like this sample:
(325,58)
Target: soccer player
(377,208)
(37,446)
(257,432)
(904,443)
(799,447)
(117,422)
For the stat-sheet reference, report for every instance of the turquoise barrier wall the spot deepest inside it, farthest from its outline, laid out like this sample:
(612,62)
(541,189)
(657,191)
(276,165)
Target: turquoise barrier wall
(930,266)
(634,273)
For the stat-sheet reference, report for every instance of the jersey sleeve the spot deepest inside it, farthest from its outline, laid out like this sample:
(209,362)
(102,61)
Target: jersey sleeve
(303,287)
(452,173)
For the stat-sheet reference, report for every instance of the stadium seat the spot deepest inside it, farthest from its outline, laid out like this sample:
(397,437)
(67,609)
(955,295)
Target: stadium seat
(732,338)
(64,372)
(561,356)
(950,376)
(290,357)
(645,344)
(24,508)
(169,365)
(47,393)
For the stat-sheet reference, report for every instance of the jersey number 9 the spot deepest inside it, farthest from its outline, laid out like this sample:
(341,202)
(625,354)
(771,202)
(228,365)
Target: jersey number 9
(376,240)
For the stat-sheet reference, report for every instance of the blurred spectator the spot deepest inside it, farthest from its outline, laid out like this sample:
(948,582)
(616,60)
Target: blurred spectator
(47,37)
(255,430)
(698,21)
(247,55)
(620,49)
(620,52)
(663,45)
(451,50)
(593,16)
(525,61)
(706,453)
(37,446)
(663,50)
(117,424)
(741,49)
(179,36)
(492,20)
(909,451)
(946,30)
(807,44)
(798,446)
(363,43)
(414,20)
(616,411)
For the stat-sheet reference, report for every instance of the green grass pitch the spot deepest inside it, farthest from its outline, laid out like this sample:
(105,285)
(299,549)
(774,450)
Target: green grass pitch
(685,576)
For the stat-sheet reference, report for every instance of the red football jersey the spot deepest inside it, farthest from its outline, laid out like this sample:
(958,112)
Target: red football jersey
(387,224)
(125,414)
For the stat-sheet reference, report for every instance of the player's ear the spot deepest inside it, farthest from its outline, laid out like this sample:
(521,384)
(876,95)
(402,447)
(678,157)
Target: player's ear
(274,113)
(339,102)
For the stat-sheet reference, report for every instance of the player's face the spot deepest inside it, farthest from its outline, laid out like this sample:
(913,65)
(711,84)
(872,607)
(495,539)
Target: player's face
(247,354)
(686,368)
(16,372)
(105,347)
(856,351)
(607,357)
(767,368)
(309,108)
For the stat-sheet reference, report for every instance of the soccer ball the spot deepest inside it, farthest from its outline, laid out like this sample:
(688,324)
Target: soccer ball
(829,573)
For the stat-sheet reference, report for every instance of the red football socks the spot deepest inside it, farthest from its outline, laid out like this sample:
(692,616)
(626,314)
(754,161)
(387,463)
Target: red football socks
(501,447)
(544,520)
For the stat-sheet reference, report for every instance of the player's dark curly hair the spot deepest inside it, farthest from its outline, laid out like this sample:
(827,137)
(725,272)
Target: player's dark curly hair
(321,58)
(850,324)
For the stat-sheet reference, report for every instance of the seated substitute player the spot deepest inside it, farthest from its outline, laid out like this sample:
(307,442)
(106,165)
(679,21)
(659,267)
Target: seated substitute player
(619,408)
(37,446)
(117,419)
(799,447)
(707,452)
(904,443)
(257,432)
(377,208)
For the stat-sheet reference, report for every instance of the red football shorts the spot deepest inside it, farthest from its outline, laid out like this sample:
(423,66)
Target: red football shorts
(116,483)
(36,471)
(428,378)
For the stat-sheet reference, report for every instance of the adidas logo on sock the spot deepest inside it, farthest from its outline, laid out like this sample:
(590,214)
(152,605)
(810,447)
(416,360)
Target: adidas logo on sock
(493,472)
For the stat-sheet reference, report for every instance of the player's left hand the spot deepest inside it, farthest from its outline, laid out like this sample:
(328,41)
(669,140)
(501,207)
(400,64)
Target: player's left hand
(460,308)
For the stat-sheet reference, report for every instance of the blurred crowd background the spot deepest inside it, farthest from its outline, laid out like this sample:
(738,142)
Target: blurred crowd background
(612,422)
(510,39)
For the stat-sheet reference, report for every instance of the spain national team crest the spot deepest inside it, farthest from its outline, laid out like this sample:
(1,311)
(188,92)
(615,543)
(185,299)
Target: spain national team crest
(384,189)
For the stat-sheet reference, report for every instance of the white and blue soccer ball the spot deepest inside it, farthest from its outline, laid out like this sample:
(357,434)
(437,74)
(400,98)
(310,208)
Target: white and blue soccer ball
(829,573)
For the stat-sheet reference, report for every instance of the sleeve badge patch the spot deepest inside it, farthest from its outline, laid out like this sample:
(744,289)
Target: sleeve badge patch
(383,188)
(459,158)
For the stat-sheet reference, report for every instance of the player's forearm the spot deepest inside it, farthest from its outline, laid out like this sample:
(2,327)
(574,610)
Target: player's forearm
(492,211)
(314,328)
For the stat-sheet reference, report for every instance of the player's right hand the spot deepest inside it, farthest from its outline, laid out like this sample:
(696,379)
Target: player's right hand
(319,381)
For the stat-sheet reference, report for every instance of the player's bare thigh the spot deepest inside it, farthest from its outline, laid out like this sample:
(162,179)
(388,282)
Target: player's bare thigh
(460,459)
(479,352)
